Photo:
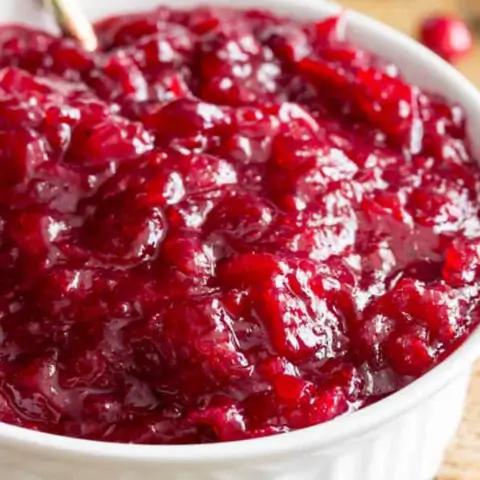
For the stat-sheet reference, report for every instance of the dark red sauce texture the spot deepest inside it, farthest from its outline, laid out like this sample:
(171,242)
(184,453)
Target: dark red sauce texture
(221,226)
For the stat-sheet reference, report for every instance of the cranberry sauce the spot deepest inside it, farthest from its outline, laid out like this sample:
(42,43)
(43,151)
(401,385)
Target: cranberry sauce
(223,225)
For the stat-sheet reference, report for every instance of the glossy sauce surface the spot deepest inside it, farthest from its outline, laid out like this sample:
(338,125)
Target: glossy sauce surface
(223,225)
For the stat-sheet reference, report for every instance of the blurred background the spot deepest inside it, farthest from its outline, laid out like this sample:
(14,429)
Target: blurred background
(463,459)
(408,16)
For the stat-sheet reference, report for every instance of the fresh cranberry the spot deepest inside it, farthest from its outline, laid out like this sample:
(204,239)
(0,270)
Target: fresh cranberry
(223,225)
(447,36)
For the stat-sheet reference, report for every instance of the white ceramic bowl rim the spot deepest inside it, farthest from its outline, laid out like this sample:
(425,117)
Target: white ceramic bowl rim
(391,44)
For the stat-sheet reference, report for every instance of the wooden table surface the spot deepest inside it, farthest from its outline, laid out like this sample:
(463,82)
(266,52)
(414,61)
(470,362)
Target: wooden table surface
(462,461)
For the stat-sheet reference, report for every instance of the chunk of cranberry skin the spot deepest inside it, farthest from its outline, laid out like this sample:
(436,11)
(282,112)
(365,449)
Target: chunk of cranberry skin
(187,121)
(307,233)
(226,420)
(449,37)
(462,262)
(25,151)
(123,229)
(434,306)
(33,232)
(24,47)
(273,367)
(331,29)
(391,104)
(204,173)
(162,20)
(19,114)
(192,212)
(15,79)
(154,175)
(189,254)
(235,69)
(383,204)
(347,375)
(296,329)
(168,48)
(410,354)
(203,20)
(69,59)
(291,390)
(122,30)
(332,279)
(323,407)
(125,78)
(214,355)
(304,165)
(174,87)
(243,218)
(250,268)
(108,141)
(295,149)
(249,139)
(369,337)
(440,203)
(26,37)
(288,42)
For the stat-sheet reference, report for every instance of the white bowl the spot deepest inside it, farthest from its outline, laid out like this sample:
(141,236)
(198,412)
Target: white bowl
(400,438)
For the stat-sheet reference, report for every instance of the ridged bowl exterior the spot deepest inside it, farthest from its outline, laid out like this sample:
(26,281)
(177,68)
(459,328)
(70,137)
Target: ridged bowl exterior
(408,448)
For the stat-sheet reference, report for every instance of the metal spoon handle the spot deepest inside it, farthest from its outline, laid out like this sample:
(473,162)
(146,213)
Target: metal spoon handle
(73,22)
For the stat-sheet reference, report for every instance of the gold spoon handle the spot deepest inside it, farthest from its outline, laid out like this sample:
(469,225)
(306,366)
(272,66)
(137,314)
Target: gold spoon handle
(73,22)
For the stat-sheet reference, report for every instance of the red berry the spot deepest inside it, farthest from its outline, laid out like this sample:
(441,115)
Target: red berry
(447,36)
